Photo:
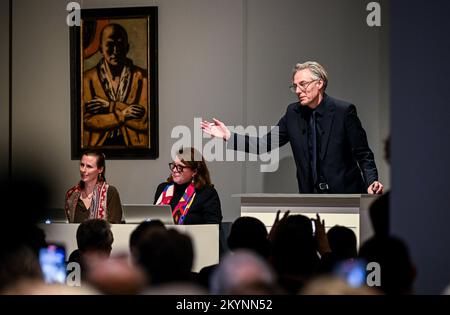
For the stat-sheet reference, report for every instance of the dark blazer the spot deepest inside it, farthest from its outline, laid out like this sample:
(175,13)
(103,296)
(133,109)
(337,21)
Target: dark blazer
(205,209)
(346,161)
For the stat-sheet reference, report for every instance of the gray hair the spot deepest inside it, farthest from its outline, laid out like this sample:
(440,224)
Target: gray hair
(239,269)
(318,72)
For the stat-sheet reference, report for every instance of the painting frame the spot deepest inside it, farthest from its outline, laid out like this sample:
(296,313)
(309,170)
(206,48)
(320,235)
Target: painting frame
(114,89)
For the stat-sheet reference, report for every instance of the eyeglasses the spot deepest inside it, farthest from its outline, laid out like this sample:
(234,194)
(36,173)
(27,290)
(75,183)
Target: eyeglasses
(179,168)
(302,86)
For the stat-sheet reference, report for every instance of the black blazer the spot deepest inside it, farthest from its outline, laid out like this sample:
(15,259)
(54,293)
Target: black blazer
(205,209)
(347,163)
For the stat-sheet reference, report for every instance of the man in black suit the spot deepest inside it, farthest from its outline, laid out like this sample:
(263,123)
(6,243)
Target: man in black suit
(328,141)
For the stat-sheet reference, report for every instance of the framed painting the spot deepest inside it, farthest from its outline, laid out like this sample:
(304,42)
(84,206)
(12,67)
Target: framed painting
(114,83)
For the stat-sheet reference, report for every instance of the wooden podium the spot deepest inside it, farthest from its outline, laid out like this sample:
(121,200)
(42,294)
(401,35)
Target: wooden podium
(336,209)
(205,239)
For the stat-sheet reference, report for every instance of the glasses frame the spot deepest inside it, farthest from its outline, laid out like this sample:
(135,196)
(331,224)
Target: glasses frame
(303,86)
(179,168)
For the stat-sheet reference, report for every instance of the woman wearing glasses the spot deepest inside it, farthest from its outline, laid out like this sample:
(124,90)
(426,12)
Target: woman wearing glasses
(189,191)
(93,197)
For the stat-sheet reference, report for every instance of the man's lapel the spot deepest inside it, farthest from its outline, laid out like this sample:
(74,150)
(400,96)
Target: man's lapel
(303,137)
(325,124)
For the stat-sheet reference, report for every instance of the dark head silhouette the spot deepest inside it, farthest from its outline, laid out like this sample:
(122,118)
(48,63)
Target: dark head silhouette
(95,235)
(166,256)
(294,252)
(139,234)
(249,233)
(342,241)
(397,270)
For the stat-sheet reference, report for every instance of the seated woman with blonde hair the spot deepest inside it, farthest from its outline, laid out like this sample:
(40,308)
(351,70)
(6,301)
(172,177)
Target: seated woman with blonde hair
(93,197)
(189,191)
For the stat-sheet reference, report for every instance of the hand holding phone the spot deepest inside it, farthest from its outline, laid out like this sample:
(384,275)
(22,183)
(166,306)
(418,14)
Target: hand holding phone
(323,245)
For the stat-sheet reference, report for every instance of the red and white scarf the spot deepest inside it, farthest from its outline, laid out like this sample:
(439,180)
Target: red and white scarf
(97,210)
(181,209)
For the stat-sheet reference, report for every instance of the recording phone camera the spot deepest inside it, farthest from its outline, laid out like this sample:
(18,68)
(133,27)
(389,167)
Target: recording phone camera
(52,260)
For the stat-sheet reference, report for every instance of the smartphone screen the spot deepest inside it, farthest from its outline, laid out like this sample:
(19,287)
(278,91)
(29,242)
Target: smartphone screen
(353,271)
(313,227)
(53,263)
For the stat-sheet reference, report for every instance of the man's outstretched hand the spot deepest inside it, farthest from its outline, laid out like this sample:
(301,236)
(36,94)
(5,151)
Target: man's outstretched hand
(216,129)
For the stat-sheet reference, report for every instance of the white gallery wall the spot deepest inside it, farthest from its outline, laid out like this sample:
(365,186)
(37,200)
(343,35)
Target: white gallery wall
(227,59)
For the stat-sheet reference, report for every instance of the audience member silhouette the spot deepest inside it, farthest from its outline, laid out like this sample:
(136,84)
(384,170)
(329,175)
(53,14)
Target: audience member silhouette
(396,269)
(332,285)
(140,232)
(243,272)
(20,238)
(20,264)
(95,236)
(249,233)
(342,242)
(115,275)
(166,256)
(379,215)
(245,233)
(294,252)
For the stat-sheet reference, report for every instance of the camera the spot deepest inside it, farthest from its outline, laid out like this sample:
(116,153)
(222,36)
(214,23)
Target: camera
(52,260)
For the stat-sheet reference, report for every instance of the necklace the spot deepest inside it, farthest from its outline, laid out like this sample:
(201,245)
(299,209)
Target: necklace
(88,196)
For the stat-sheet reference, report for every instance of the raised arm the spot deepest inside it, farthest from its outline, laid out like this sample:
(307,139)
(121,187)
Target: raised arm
(275,138)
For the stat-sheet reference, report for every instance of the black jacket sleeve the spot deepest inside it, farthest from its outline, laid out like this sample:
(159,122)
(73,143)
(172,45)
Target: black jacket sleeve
(360,148)
(275,138)
(211,206)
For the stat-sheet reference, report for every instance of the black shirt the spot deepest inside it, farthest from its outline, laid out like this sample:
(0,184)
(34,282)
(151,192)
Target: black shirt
(316,175)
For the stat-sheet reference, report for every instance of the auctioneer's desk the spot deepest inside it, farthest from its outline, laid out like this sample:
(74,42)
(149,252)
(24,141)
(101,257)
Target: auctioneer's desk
(205,239)
(347,210)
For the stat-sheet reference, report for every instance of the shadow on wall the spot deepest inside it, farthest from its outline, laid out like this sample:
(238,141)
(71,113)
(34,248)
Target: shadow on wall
(283,180)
